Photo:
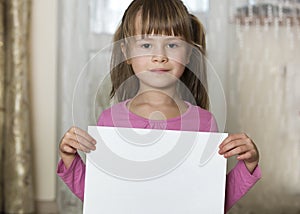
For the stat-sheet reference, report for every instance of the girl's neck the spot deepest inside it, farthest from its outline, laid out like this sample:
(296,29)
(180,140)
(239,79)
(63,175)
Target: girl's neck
(159,96)
(157,105)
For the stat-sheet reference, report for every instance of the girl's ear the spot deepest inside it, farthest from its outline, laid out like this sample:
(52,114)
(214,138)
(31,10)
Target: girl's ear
(124,51)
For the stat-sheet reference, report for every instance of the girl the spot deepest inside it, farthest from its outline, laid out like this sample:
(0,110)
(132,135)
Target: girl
(155,64)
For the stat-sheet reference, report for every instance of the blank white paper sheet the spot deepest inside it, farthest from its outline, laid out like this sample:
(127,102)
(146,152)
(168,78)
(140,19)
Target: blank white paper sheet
(146,171)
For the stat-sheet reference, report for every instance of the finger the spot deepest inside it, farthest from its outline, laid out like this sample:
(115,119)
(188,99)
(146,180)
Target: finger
(245,156)
(234,144)
(71,145)
(78,146)
(84,142)
(236,151)
(69,150)
(250,156)
(75,134)
(232,137)
(68,146)
(82,133)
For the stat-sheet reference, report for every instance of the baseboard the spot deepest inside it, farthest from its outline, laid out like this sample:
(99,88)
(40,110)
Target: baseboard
(46,207)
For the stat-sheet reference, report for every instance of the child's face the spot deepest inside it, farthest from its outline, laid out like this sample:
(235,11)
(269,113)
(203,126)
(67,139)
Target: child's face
(157,60)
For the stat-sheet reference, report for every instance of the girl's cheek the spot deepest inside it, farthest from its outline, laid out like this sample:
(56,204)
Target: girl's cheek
(179,57)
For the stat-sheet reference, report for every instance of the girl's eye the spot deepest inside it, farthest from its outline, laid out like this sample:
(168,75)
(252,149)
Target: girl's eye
(146,45)
(172,45)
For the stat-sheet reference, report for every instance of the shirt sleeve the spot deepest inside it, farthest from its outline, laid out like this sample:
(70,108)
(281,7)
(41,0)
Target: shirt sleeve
(238,182)
(104,118)
(74,176)
(100,120)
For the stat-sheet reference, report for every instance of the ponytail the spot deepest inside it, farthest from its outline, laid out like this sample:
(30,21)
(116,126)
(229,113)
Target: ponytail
(194,77)
(198,34)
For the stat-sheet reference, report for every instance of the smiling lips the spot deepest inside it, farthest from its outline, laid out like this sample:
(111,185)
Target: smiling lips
(159,70)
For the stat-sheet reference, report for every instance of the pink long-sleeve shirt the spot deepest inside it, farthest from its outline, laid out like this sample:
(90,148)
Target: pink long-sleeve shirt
(238,181)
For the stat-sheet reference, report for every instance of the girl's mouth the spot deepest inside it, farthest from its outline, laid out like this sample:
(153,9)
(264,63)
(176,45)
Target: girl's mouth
(159,70)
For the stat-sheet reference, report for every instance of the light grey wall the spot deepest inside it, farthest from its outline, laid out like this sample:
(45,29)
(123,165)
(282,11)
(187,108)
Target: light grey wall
(72,56)
(263,101)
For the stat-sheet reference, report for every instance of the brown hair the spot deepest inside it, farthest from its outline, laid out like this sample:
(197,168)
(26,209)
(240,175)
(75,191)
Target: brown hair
(169,17)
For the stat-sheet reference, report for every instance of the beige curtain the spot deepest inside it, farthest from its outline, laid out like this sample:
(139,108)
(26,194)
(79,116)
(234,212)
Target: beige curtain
(1,99)
(16,152)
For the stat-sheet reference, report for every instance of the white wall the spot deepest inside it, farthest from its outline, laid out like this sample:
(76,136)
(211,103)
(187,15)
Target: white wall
(217,35)
(43,87)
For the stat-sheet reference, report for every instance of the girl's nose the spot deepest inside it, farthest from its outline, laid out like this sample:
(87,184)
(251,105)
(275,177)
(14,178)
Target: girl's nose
(161,58)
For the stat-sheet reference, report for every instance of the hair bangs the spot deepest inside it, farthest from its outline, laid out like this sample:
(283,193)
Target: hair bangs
(166,19)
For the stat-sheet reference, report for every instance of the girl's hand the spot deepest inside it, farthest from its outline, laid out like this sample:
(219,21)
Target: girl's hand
(73,140)
(242,146)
